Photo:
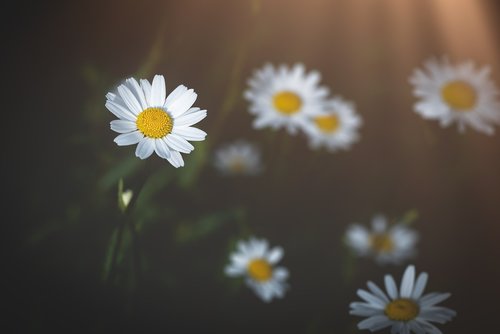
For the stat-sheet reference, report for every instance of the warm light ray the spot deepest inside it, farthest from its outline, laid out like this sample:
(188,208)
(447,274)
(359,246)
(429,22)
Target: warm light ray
(465,29)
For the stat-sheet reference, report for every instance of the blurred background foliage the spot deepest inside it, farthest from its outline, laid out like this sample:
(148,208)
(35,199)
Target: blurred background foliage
(76,262)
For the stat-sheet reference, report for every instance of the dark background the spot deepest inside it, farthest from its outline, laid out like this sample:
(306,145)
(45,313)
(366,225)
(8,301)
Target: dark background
(365,50)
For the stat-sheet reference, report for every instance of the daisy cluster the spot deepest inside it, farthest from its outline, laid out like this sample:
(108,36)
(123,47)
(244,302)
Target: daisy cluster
(293,99)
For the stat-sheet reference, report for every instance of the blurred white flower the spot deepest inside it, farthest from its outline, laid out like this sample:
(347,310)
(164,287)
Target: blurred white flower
(406,310)
(460,93)
(156,122)
(240,157)
(257,263)
(386,245)
(284,97)
(336,129)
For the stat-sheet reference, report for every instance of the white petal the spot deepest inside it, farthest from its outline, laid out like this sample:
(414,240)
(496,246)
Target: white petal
(122,126)
(158,91)
(176,159)
(178,143)
(190,118)
(182,103)
(281,274)
(437,314)
(275,255)
(416,327)
(377,291)
(137,91)
(190,133)
(128,138)
(372,299)
(433,299)
(145,148)
(129,99)
(146,87)
(407,282)
(375,323)
(390,287)
(397,328)
(364,309)
(379,223)
(120,111)
(161,148)
(178,91)
(420,285)
(233,271)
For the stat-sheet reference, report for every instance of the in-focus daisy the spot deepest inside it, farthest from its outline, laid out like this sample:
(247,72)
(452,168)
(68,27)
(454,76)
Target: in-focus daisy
(240,157)
(405,311)
(458,94)
(337,128)
(257,263)
(284,97)
(154,121)
(387,245)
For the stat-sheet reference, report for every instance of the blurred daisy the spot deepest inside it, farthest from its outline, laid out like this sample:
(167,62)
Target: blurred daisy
(386,245)
(153,121)
(256,262)
(238,158)
(336,129)
(284,97)
(406,310)
(460,93)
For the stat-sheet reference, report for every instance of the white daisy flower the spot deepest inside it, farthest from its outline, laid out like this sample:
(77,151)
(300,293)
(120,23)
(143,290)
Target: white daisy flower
(460,93)
(256,262)
(406,310)
(240,157)
(387,245)
(337,128)
(284,97)
(156,122)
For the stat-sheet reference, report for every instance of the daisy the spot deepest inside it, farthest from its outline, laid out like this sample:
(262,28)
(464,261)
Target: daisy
(284,97)
(406,310)
(238,158)
(387,245)
(257,263)
(458,94)
(153,121)
(335,129)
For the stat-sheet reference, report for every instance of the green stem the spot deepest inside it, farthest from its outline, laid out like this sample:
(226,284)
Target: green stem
(112,271)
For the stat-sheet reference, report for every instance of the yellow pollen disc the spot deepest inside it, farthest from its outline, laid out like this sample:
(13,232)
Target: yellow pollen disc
(381,243)
(260,270)
(154,122)
(402,310)
(459,95)
(287,102)
(328,123)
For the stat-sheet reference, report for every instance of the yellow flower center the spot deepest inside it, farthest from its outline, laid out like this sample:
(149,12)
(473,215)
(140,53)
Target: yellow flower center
(154,122)
(402,310)
(287,102)
(327,123)
(260,270)
(381,242)
(459,95)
